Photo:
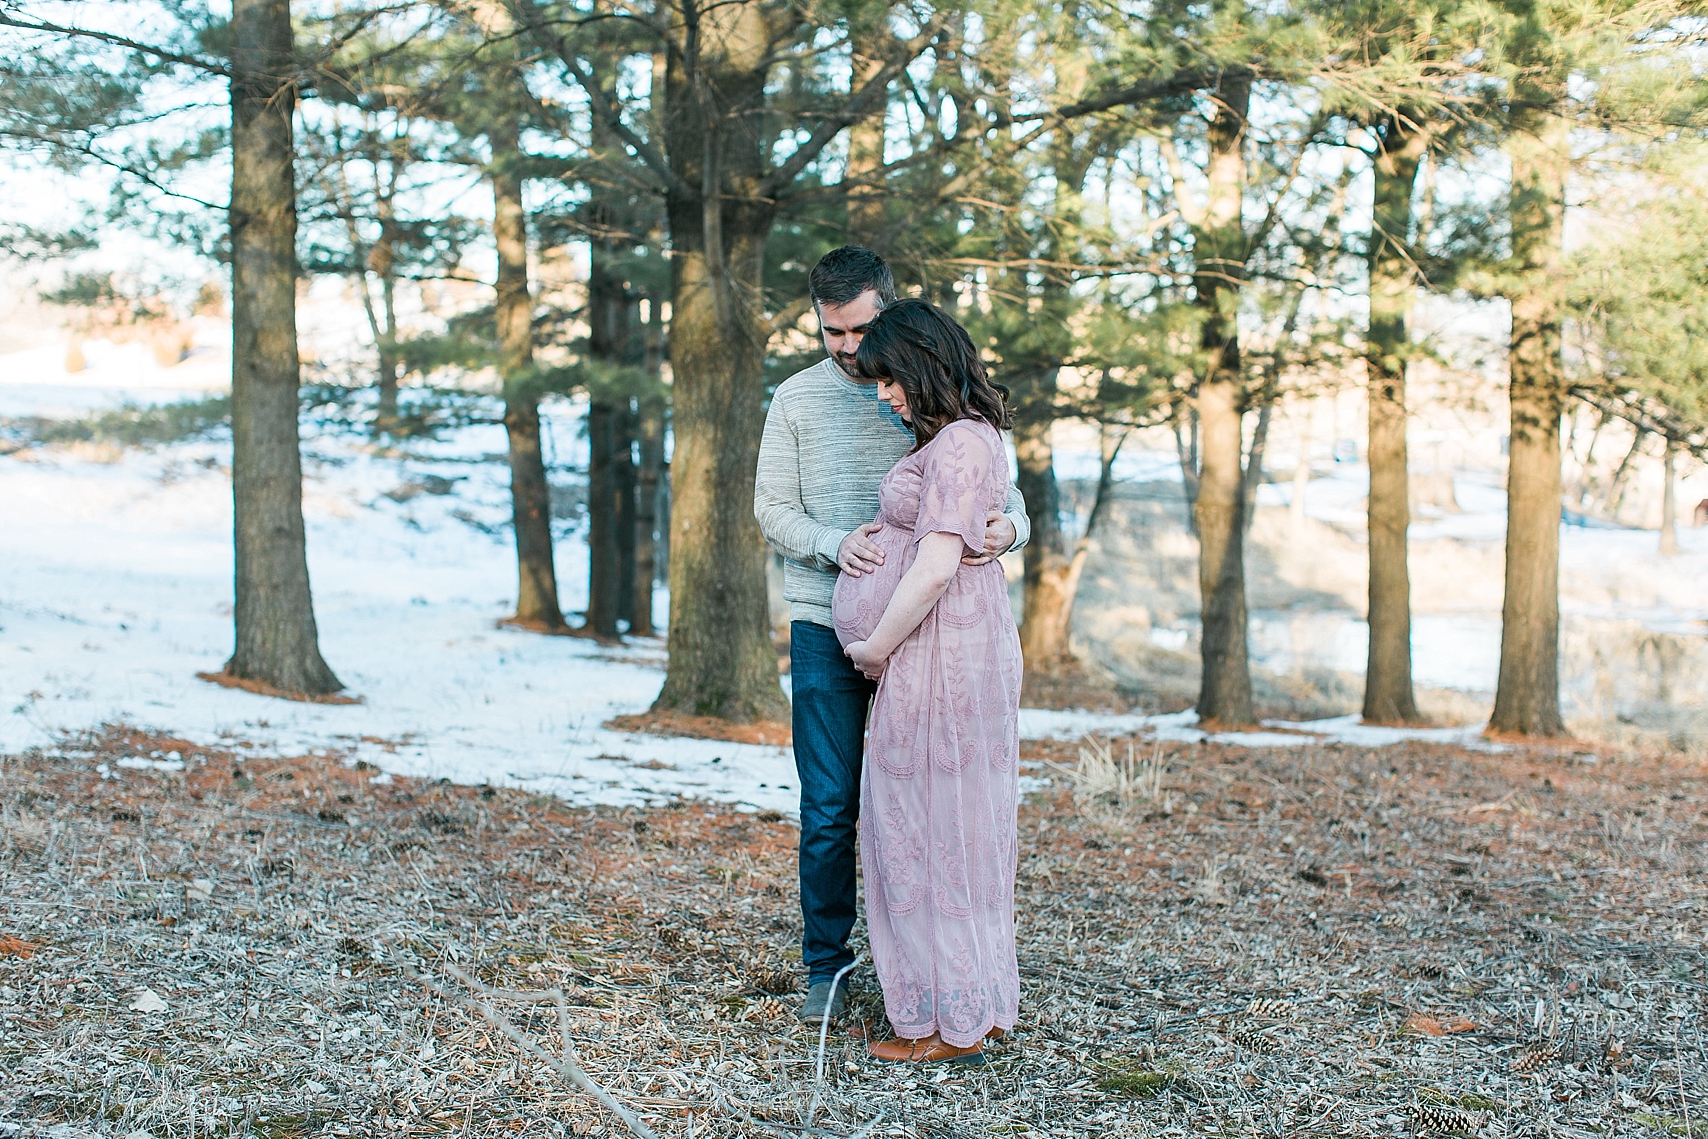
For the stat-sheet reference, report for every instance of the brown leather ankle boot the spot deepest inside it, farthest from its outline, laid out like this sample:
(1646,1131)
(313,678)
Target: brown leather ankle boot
(933,1047)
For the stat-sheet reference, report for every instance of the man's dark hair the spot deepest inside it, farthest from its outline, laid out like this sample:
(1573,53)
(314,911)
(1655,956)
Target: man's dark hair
(846,272)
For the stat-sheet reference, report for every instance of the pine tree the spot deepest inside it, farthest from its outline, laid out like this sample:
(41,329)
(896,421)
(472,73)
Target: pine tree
(1557,62)
(277,641)
(277,647)
(717,122)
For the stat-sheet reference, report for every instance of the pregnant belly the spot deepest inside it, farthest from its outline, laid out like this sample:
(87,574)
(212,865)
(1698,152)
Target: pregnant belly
(859,602)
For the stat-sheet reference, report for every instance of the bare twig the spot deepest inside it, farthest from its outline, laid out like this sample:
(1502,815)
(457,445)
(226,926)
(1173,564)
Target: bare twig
(824,1035)
(565,1064)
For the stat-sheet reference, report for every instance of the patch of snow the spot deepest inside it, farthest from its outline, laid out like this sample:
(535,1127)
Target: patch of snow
(1043,724)
(1179,727)
(138,763)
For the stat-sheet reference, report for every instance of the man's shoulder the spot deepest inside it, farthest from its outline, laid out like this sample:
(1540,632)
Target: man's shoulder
(812,380)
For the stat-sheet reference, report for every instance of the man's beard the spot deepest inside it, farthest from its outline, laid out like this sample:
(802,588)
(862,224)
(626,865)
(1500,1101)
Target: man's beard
(846,363)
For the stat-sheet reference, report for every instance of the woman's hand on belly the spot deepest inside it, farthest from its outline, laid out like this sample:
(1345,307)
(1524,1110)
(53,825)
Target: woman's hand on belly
(870,664)
(937,560)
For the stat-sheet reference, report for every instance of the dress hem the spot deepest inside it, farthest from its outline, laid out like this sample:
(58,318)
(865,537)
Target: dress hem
(917,1032)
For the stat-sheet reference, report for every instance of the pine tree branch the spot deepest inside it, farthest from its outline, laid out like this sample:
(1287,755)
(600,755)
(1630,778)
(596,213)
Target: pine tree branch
(788,316)
(1179,83)
(528,14)
(852,112)
(7,19)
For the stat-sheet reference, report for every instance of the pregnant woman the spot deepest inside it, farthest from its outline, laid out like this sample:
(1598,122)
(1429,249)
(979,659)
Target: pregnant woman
(940,787)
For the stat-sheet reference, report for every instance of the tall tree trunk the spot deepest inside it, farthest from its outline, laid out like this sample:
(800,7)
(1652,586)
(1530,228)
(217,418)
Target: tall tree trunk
(1043,635)
(601,518)
(624,482)
(1669,504)
(865,164)
(1224,695)
(1186,450)
(612,315)
(1615,496)
(277,643)
(1527,697)
(1388,694)
(1253,477)
(649,435)
(383,260)
(537,605)
(1110,440)
(721,659)
(1045,628)
(1301,478)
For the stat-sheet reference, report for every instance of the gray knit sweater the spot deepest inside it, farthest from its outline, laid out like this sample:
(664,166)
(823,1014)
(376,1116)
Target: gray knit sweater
(828,443)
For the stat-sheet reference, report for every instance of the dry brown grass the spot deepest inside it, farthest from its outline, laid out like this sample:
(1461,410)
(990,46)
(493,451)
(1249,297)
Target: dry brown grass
(768,733)
(1245,962)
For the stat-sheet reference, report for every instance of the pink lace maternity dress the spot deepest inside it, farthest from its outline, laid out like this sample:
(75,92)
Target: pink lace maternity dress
(941,783)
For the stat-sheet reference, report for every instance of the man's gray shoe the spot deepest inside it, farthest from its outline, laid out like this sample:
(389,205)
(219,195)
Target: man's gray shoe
(818,1004)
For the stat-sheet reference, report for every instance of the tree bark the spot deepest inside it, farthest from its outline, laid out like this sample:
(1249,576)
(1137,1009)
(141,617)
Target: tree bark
(1615,496)
(277,643)
(1669,504)
(601,520)
(649,435)
(865,164)
(1186,450)
(383,259)
(537,605)
(1110,440)
(1220,250)
(1527,698)
(612,317)
(722,662)
(624,483)
(1388,694)
(1043,633)
(1301,479)
(1045,628)
(1253,477)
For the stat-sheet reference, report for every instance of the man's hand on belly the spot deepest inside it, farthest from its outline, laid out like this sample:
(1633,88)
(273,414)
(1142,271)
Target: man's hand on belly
(858,554)
(999,535)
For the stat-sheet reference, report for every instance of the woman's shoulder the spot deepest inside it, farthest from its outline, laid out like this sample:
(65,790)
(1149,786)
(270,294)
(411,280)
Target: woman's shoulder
(961,432)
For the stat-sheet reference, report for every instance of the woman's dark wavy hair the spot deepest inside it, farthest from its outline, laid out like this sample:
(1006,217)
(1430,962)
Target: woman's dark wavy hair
(919,346)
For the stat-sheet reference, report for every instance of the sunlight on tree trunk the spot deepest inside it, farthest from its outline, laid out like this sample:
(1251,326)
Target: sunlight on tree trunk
(649,437)
(721,659)
(865,166)
(1043,632)
(1224,695)
(537,605)
(277,641)
(1527,697)
(1388,694)
(1669,504)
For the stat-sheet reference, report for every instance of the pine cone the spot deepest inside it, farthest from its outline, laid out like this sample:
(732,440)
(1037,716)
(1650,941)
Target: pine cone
(1437,1118)
(1268,1008)
(1251,1039)
(1539,1056)
(776,982)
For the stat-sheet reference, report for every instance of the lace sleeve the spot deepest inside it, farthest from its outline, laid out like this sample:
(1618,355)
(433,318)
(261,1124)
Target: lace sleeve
(954,495)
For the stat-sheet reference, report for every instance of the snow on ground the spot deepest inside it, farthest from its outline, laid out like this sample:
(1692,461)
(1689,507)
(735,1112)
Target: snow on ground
(120,591)
(1181,727)
(116,590)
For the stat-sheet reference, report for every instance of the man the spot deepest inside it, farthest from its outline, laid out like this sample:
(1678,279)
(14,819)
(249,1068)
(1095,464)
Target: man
(828,443)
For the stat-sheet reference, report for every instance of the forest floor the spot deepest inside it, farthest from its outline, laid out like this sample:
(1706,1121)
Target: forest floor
(1319,940)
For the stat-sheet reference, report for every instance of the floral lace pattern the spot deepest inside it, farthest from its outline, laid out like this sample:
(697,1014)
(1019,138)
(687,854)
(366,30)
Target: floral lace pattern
(940,789)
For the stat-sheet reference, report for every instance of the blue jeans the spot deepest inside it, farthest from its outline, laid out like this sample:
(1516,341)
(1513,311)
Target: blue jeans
(831,700)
